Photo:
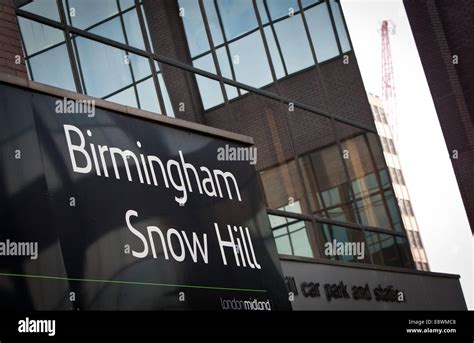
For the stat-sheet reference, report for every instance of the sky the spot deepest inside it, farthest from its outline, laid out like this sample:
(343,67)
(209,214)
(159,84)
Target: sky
(424,158)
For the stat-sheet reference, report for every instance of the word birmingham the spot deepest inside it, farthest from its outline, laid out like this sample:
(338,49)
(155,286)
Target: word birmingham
(239,244)
(69,106)
(146,167)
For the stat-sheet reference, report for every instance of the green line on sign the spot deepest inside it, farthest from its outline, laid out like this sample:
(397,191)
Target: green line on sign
(133,282)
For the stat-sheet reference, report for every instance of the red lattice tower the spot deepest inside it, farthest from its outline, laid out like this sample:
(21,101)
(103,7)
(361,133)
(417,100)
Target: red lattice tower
(388,81)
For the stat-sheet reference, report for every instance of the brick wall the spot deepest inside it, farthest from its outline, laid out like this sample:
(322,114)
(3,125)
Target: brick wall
(10,42)
(168,39)
(443,29)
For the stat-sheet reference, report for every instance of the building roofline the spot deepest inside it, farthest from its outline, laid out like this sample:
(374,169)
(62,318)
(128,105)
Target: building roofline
(126,110)
(367,266)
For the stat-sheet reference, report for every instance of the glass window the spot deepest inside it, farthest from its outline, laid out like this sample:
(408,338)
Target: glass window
(321,31)
(322,167)
(339,234)
(372,211)
(383,118)
(105,69)
(146,28)
(210,90)
(52,67)
(213,21)
(194,27)
(166,98)
(226,71)
(390,253)
(140,66)
(250,61)
(280,9)
(133,30)
(341,30)
(274,53)
(44,8)
(283,188)
(291,236)
(374,205)
(391,146)
(238,17)
(374,247)
(306,3)
(384,179)
(126,97)
(294,44)
(89,12)
(400,176)
(147,96)
(37,37)
(408,207)
(262,11)
(125,4)
(393,210)
(111,29)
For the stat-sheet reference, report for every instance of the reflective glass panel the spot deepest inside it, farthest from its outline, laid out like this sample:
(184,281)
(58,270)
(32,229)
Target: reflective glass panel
(294,44)
(52,67)
(44,8)
(238,17)
(194,27)
(250,61)
(391,256)
(341,30)
(275,55)
(126,97)
(37,37)
(133,30)
(148,97)
(85,13)
(104,69)
(280,9)
(213,21)
(210,90)
(321,31)
(291,236)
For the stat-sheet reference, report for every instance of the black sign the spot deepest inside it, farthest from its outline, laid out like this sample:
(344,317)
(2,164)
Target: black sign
(127,214)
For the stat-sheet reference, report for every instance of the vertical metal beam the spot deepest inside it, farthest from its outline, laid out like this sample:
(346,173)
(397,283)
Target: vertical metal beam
(151,61)
(228,109)
(70,50)
(226,43)
(275,36)
(334,28)
(134,83)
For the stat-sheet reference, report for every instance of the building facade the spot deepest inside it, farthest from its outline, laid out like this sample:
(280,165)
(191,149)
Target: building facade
(390,151)
(443,35)
(282,72)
